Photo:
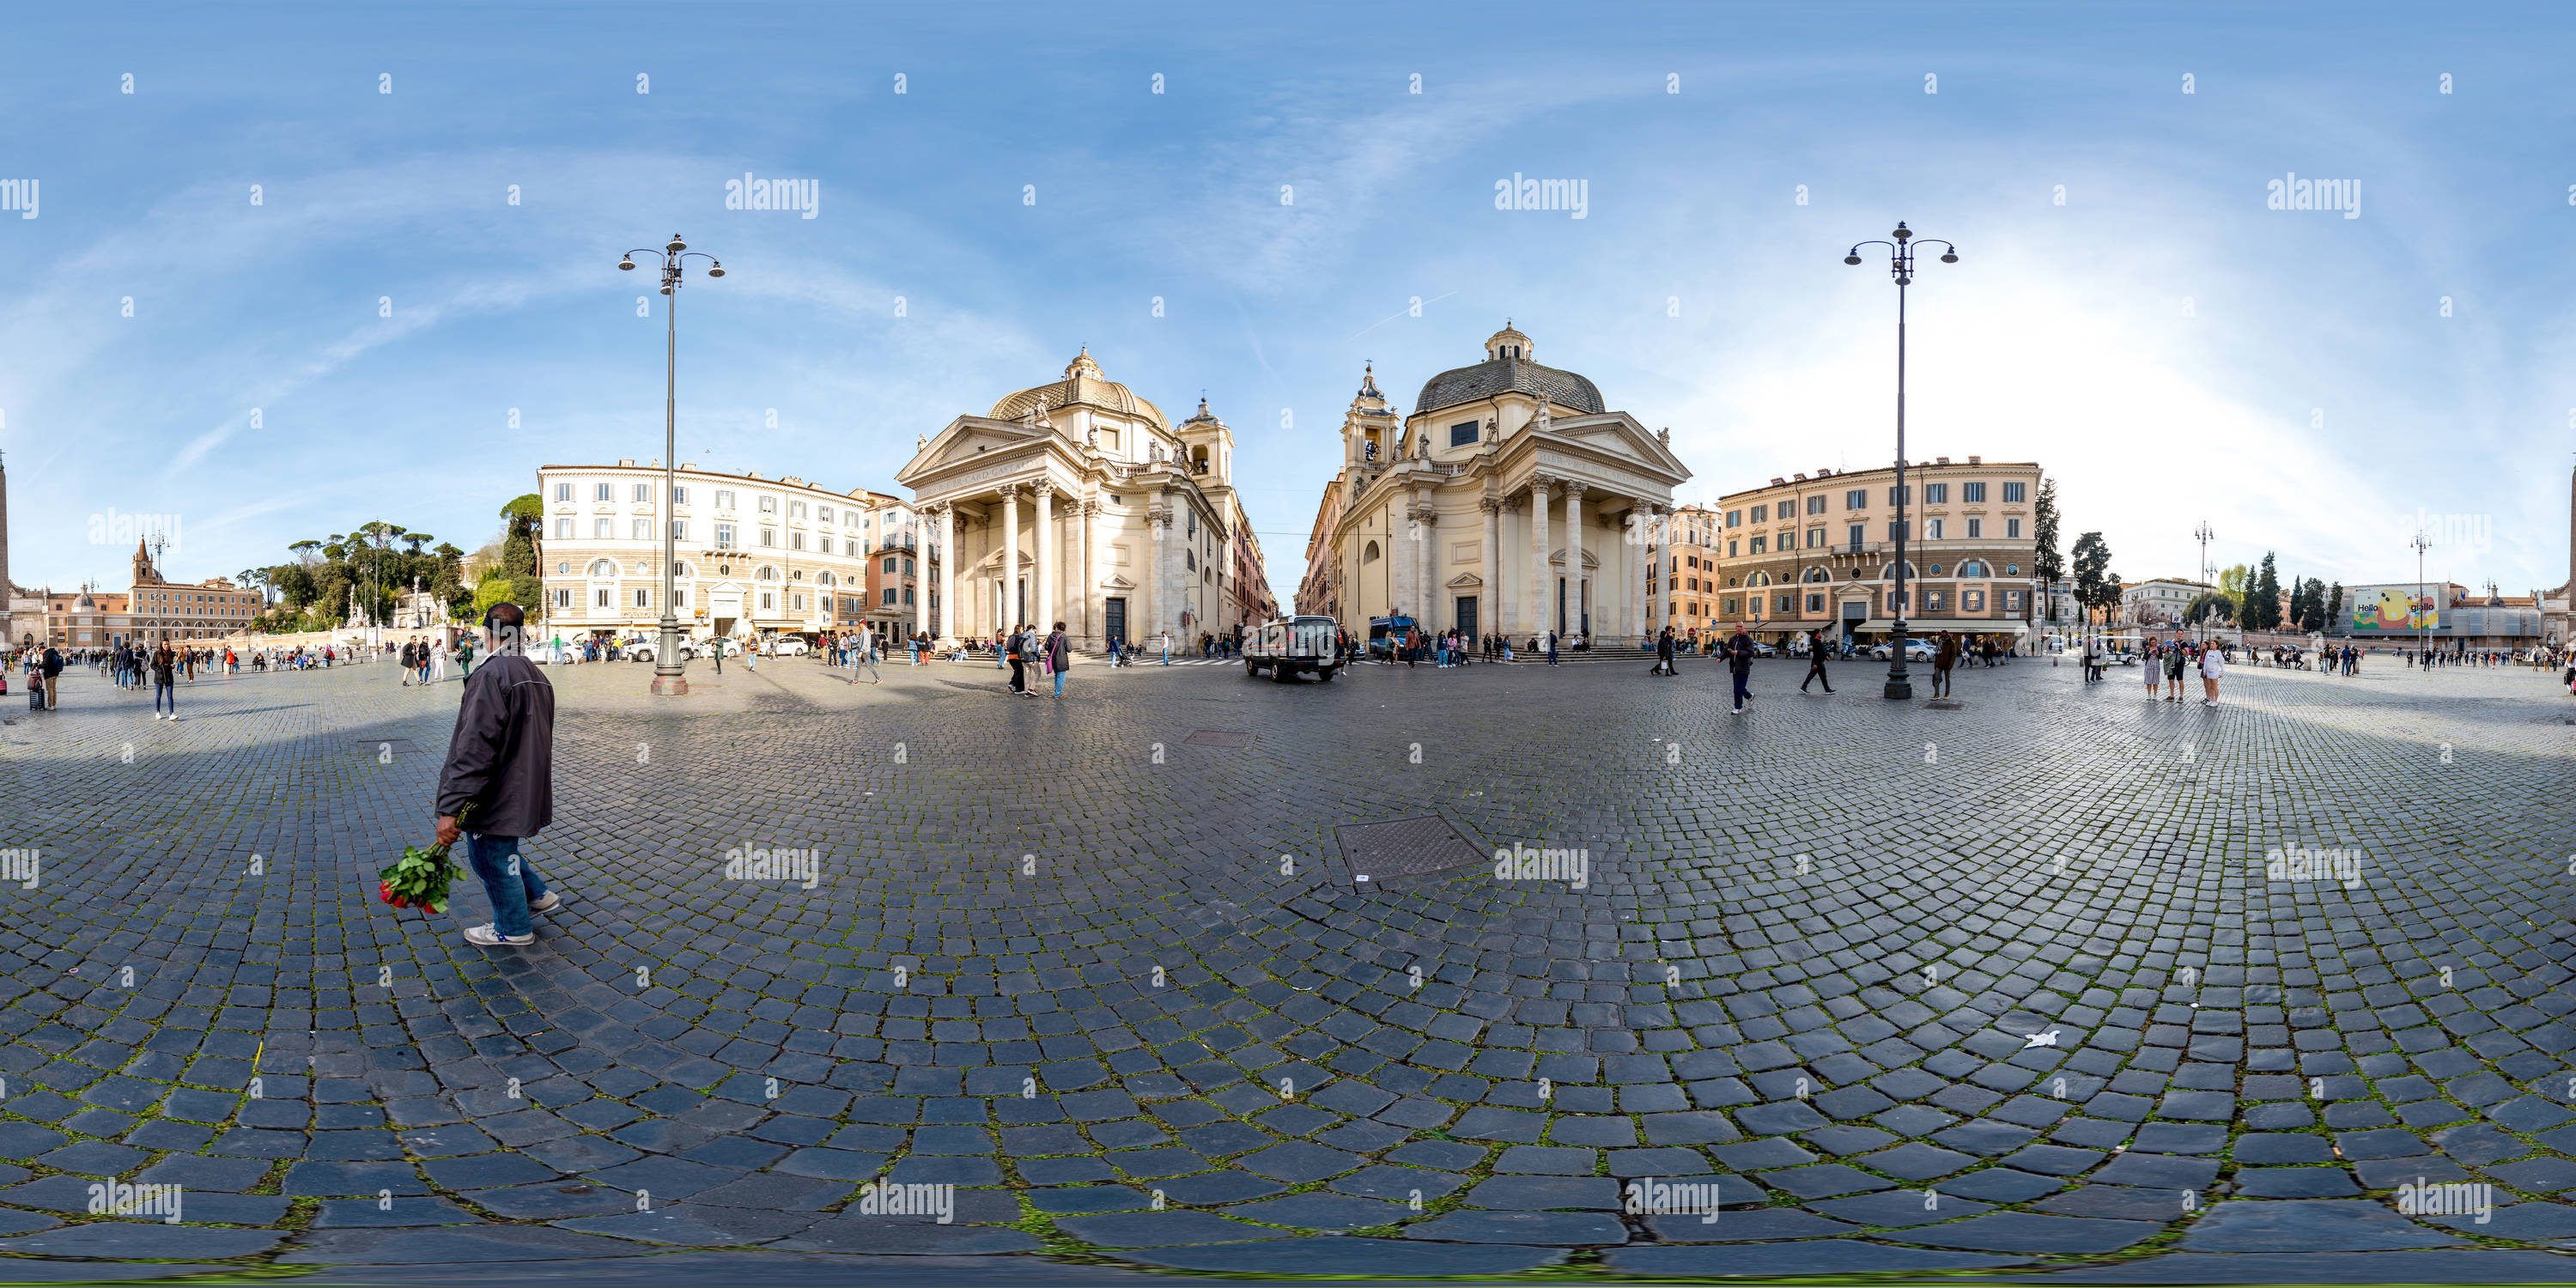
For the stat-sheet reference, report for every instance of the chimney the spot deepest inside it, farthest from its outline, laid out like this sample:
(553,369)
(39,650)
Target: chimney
(688,465)
(626,460)
(1940,460)
(1976,460)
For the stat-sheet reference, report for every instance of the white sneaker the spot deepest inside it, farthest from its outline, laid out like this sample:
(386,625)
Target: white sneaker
(551,902)
(490,936)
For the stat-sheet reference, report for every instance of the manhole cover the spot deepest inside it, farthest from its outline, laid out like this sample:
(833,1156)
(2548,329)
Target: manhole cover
(381,744)
(1219,738)
(1408,847)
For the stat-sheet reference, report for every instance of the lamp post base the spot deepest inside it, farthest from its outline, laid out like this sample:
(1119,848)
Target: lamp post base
(670,684)
(1898,687)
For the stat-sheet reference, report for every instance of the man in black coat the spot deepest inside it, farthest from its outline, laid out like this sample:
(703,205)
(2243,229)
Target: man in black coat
(1739,662)
(1816,648)
(500,767)
(1663,653)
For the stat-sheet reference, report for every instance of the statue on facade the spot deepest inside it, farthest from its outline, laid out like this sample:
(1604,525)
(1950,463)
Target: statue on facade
(1546,416)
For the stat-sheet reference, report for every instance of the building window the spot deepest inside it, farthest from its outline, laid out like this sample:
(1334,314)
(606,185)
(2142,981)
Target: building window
(563,597)
(563,491)
(1730,549)
(796,540)
(1973,601)
(1856,536)
(643,529)
(2013,493)
(600,528)
(724,536)
(1933,599)
(797,601)
(1762,514)
(679,496)
(1936,494)
(643,598)
(889,565)
(643,491)
(2012,570)
(1815,603)
(563,529)
(2012,601)
(796,509)
(769,536)
(769,600)
(603,492)
(1733,606)
(889,595)
(1856,499)
(1932,528)
(679,529)
(1976,529)
(769,505)
(1757,545)
(1735,518)
(724,498)
(1901,495)
(2012,529)
(907,567)
(822,514)
(1972,493)
(1462,434)
(1815,538)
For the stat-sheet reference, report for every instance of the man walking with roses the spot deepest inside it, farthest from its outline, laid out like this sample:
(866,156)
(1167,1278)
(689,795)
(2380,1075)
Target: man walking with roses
(500,766)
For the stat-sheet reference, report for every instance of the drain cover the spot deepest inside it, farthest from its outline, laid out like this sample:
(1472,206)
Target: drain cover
(1219,738)
(1409,847)
(379,744)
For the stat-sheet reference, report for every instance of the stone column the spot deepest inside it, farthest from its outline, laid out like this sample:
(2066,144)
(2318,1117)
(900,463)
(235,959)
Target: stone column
(1010,611)
(1488,571)
(1574,559)
(1541,616)
(1427,590)
(1657,527)
(949,624)
(1045,587)
(1399,558)
(1085,550)
(1158,521)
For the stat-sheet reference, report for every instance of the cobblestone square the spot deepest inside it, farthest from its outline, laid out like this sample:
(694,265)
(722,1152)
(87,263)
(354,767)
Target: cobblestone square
(2064,978)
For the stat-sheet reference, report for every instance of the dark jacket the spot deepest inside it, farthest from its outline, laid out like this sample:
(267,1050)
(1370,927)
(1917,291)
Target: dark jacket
(53,662)
(1664,646)
(163,663)
(1739,654)
(501,759)
(1058,651)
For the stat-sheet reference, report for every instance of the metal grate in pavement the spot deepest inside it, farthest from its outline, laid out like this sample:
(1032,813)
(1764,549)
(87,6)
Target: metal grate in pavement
(1219,738)
(1407,847)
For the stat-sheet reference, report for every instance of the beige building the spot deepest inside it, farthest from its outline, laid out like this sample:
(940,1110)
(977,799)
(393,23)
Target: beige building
(1512,499)
(1806,552)
(150,611)
(1076,501)
(757,556)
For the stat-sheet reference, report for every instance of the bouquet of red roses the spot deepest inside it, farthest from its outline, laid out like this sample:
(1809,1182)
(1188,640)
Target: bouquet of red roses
(420,878)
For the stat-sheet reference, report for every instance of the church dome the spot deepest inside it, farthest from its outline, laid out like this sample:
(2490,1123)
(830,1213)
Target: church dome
(1082,386)
(1507,368)
(85,603)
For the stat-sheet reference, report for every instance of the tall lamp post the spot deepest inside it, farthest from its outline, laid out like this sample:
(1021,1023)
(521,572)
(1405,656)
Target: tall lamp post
(2203,534)
(1900,266)
(2422,656)
(668,680)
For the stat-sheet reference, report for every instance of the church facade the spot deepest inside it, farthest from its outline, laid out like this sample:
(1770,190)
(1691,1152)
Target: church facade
(1511,499)
(1078,502)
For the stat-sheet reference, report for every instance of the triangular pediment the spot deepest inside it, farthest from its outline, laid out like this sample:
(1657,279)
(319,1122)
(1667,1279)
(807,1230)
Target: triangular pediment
(1466,581)
(1590,560)
(1115,582)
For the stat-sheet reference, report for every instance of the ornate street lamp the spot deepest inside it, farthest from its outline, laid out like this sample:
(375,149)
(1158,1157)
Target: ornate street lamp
(1900,266)
(668,679)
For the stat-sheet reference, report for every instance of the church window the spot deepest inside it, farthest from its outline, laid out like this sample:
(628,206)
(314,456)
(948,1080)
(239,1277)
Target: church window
(1462,434)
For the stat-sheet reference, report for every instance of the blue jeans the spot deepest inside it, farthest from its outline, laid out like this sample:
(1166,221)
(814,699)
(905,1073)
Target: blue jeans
(1743,688)
(164,693)
(1059,684)
(492,857)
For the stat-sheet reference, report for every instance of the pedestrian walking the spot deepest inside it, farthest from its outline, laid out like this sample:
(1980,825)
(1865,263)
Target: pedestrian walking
(2174,663)
(1945,655)
(500,773)
(2213,664)
(1019,663)
(866,655)
(1739,664)
(1663,653)
(1551,648)
(1059,651)
(1816,651)
(1167,646)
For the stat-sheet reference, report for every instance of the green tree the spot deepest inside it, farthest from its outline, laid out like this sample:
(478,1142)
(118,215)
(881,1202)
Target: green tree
(2045,563)
(2207,606)
(2232,583)
(2095,587)
(2263,607)
(2334,607)
(526,518)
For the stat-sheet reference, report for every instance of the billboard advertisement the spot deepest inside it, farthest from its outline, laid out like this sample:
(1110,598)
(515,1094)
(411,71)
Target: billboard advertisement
(2393,611)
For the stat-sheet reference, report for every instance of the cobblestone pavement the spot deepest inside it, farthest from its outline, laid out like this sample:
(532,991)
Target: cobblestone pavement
(2007,986)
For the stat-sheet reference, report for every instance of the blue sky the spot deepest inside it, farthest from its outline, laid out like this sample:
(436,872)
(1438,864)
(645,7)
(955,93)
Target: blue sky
(2169,348)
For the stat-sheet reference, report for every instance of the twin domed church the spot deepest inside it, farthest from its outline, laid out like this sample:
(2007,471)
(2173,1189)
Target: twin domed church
(1510,499)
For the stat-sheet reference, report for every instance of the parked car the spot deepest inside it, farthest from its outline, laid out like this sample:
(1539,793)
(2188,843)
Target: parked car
(1915,651)
(1761,649)
(1290,646)
(791,646)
